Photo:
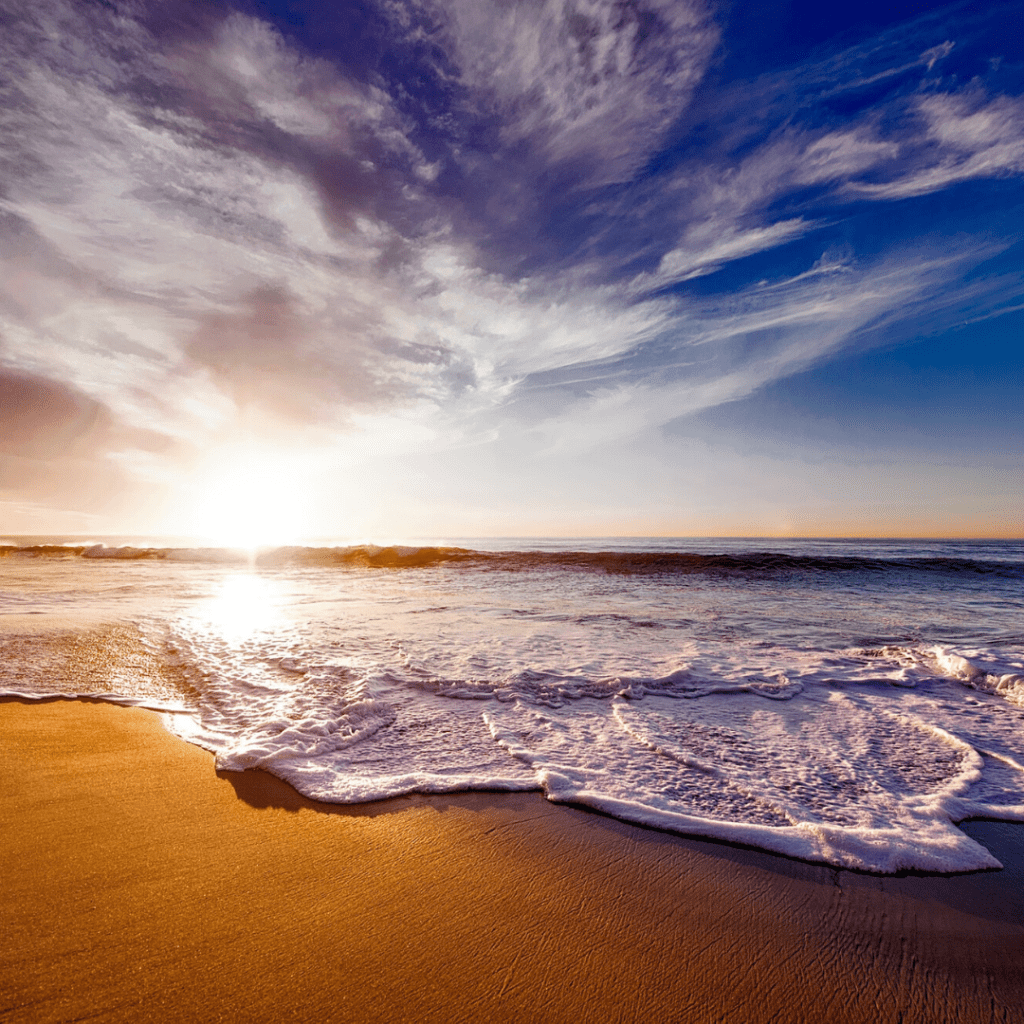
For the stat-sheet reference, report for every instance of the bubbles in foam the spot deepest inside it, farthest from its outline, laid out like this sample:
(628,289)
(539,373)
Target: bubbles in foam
(849,714)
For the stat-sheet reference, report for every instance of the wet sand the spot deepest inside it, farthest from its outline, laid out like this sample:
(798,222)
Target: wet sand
(140,885)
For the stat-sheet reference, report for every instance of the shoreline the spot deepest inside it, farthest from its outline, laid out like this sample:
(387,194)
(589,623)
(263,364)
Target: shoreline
(140,882)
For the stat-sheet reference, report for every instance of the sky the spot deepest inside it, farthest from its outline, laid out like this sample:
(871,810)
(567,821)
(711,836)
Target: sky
(401,268)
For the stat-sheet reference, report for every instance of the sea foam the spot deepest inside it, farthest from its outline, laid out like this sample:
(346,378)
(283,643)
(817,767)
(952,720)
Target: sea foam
(850,714)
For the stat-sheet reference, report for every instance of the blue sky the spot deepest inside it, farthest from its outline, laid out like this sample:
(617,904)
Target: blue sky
(384,270)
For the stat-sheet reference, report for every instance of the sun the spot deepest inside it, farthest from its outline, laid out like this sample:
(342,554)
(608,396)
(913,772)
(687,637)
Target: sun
(251,497)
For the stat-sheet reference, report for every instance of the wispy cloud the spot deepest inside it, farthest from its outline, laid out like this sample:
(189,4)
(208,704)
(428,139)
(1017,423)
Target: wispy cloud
(205,229)
(721,349)
(966,136)
(707,246)
(592,83)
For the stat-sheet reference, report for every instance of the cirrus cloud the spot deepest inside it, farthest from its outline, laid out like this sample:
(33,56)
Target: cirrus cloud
(207,228)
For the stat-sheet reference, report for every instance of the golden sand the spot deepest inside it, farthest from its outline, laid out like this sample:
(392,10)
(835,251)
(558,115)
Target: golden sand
(139,885)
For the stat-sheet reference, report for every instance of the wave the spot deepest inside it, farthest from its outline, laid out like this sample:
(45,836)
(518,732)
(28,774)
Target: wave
(857,741)
(673,563)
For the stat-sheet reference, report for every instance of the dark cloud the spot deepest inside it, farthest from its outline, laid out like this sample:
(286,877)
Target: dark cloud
(46,419)
(56,445)
(49,420)
(270,355)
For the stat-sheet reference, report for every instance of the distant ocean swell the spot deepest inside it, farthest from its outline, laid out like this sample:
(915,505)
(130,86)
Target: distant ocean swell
(639,562)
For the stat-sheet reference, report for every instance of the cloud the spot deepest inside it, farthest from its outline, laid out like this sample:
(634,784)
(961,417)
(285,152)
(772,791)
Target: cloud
(45,419)
(583,81)
(155,225)
(721,349)
(966,136)
(205,230)
(935,53)
(186,269)
(708,246)
(55,444)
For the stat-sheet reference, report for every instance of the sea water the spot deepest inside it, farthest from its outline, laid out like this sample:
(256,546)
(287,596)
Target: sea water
(840,701)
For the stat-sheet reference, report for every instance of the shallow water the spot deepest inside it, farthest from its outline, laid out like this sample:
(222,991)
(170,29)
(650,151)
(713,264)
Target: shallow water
(844,702)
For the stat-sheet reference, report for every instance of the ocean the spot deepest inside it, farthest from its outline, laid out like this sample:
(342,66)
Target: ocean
(839,701)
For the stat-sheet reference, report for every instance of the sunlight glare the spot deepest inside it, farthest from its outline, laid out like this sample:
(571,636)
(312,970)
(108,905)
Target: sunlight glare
(244,603)
(250,498)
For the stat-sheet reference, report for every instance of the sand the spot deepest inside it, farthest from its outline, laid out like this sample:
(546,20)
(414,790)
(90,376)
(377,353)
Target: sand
(138,884)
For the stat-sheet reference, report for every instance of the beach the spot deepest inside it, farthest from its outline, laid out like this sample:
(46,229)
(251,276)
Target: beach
(140,884)
(511,511)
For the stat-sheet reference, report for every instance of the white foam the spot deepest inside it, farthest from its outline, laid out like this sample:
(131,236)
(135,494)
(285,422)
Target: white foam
(853,757)
(168,707)
(768,776)
(683,707)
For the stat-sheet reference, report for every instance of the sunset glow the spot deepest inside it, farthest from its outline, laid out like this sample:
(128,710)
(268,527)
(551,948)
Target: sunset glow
(512,268)
(587,433)
(251,498)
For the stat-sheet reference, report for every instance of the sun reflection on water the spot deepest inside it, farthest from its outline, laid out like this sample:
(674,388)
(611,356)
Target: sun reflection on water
(245,603)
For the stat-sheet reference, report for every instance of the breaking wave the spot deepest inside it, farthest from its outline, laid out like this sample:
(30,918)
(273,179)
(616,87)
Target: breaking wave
(844,706)
(678,563)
